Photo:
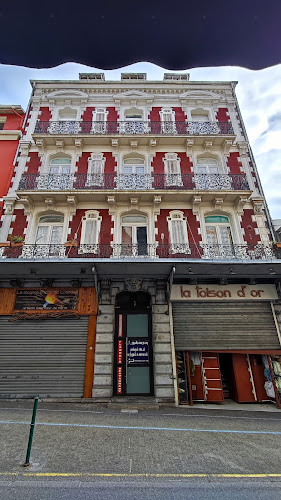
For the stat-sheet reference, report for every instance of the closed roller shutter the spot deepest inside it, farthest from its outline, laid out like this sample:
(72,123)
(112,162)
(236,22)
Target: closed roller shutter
(228,325)
(42,358)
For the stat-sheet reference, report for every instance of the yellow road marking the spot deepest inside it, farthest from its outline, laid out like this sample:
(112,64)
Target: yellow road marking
(96,474)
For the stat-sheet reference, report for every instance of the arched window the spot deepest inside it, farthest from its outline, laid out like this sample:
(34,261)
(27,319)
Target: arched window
(96,165)
(177,226)
(207,175)
(167,116)
(207,166)
(133,170)
(49,231)
(133,123)
(218,230)
(99,120)
(90,231)
(59,173)
(134,235)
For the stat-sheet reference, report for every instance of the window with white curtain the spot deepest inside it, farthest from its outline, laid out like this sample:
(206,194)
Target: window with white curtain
(167,116)
(177,226)
(219,236)
(99,120)
(172,169)
(59,173)
(49,234)
(90,231)
(95,176)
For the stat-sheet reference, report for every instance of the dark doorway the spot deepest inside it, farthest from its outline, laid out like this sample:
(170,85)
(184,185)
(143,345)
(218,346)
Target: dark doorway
(133,367)
(227,376)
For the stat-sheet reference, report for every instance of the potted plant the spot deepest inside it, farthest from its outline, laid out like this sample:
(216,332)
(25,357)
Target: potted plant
(16,241)
(71,243)
(277,244)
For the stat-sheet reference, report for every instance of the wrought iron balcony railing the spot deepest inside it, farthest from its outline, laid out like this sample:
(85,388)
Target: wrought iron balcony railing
(150,251)
(64,182)
(134,127)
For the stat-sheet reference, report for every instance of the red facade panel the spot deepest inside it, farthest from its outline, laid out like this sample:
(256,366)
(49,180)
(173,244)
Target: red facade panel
(106,225)
(235,166)
(192,226)
(44,114)
(20,222)
(34,163)
(249,227)
(222,115)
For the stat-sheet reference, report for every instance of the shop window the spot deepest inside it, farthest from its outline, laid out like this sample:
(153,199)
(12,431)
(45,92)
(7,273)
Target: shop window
(172,170)
(90,231)
(134,235)
(95,176)
(99,121)
(177,225)
(167,116)
(59,173)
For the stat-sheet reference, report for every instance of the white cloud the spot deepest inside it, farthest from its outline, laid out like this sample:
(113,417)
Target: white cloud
(258,93)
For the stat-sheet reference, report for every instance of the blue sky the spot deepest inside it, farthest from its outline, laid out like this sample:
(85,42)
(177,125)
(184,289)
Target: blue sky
(258,92)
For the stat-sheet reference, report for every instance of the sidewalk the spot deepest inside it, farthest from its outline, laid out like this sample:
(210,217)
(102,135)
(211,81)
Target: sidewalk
(93,439)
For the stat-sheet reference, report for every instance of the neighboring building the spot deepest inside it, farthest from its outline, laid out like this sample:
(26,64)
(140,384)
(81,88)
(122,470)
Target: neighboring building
(169,264)
(277,229)
(11,120)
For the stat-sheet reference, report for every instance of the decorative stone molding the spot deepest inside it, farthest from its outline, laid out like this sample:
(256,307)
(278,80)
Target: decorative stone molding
(258,206)
(227,145)
(50,204)
(196,204)
(133,285)
(78,146)
(156,203)
(111,203)
(134,202)
(27,204)
(115,146)
(208,146)
(189,146)
(134,145)
(41,146)
(9,205)
(60,146)
(242,148)
(72,202)
(153,142)
(240,204)
(218,203)
(24,148)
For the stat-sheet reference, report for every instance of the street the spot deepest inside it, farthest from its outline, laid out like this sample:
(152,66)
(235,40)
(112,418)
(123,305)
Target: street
(81,451)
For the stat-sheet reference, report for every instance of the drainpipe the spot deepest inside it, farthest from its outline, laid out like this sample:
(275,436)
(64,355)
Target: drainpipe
(267,212)
(96,278)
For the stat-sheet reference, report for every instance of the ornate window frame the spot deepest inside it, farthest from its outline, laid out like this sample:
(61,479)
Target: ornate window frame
(90,215)
(99,126)
(172,179)
(96,178)
(182,243)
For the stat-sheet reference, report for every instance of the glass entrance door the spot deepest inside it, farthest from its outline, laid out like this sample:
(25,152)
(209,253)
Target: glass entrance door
(133,355)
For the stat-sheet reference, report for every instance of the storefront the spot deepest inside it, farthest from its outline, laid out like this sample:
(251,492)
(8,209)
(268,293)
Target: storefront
(47,341)
(225,339)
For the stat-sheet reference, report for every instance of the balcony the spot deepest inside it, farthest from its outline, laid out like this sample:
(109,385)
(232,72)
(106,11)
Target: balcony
(133,128)
(133,182)
(149,251)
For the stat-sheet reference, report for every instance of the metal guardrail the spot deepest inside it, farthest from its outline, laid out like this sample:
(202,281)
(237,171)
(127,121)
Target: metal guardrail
(134,127)
(61,182)
(150,251)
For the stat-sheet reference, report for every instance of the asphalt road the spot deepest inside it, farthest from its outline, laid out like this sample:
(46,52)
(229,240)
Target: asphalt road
(84,451)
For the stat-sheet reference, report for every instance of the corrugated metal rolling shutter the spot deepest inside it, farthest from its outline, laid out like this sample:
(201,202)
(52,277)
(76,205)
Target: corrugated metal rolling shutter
(42,358)
(228,325)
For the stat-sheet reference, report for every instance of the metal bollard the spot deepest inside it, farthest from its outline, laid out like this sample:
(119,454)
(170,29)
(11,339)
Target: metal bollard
(32,425)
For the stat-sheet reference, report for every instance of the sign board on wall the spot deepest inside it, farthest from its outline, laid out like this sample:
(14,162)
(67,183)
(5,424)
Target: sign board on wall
(223,292)
(45,300)
(137,351)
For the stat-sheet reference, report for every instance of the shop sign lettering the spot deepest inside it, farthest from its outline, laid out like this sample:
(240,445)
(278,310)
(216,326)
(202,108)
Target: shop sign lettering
(223,292)
(137,351)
